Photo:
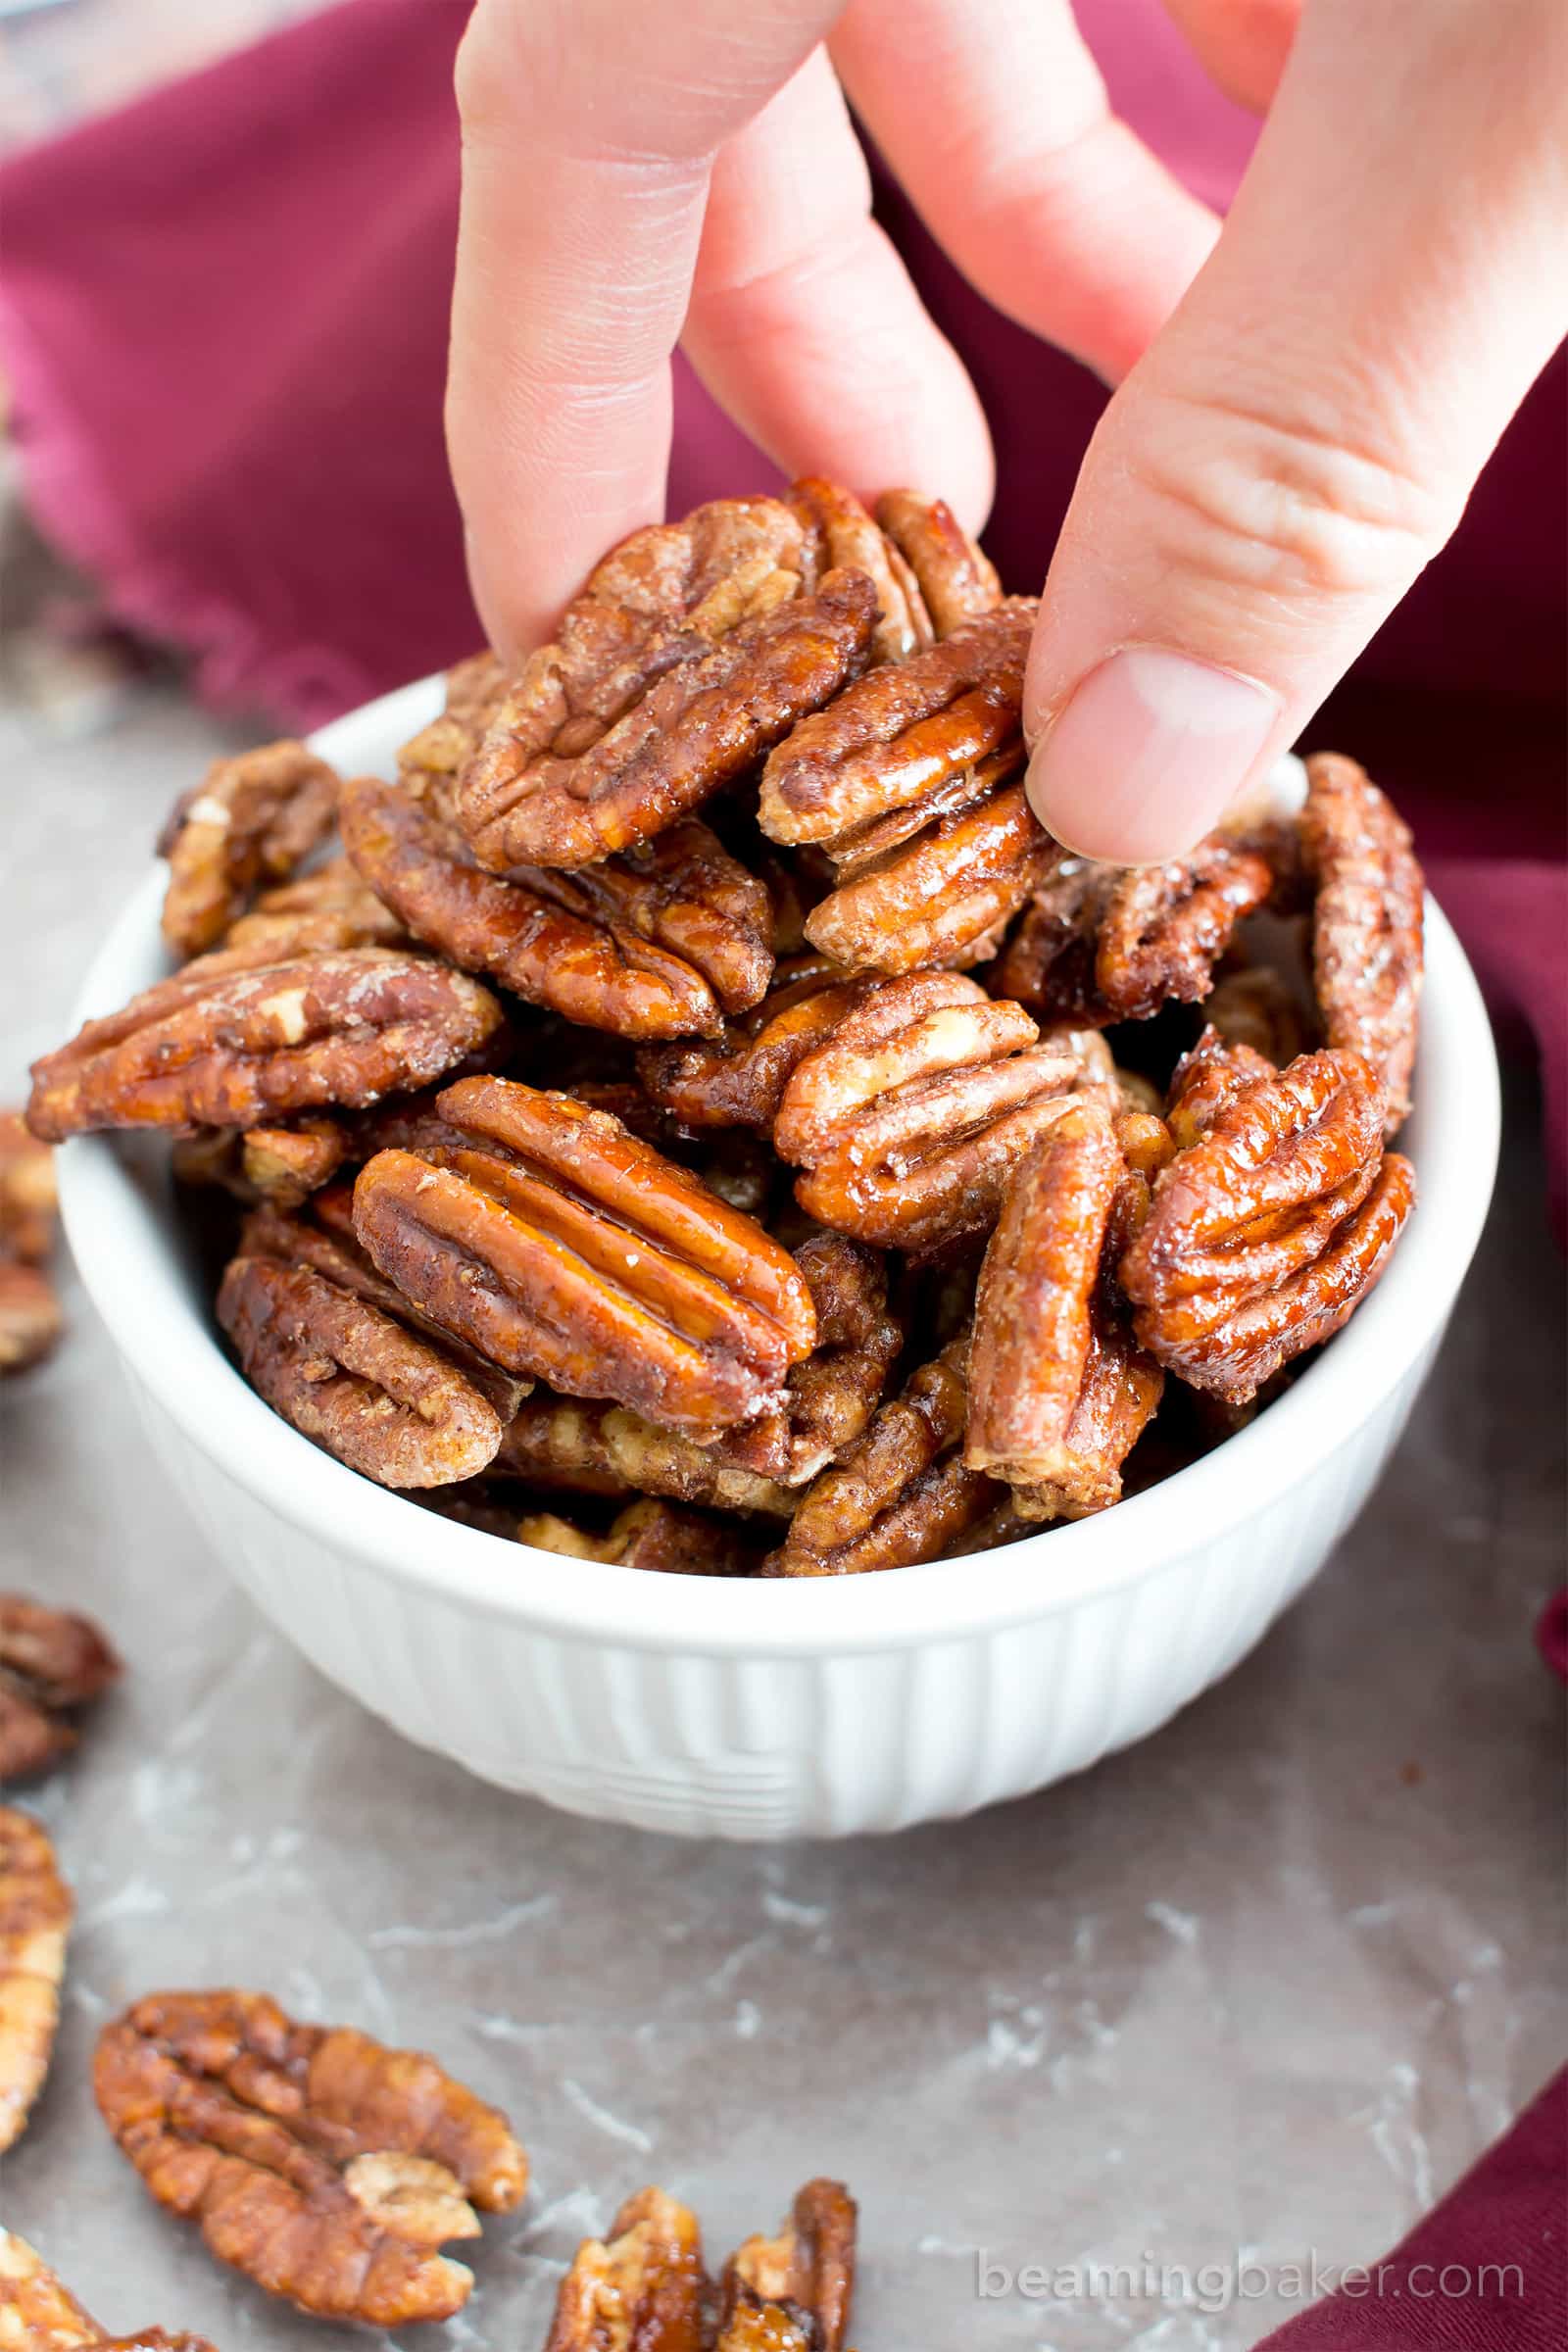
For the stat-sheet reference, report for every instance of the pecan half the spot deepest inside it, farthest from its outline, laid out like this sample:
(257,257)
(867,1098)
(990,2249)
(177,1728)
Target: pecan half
(693,647)
(649,1535)
(845,535)
(643,2289)
(941,898)
(1207,1079)
(738,1080)
(1367,922)
(588,1258)
(239,1049)
(355,1382)
(579,1448)
(957,582)
(36,1911)
(808,2269)
(251,820)
(911,1115)
(323,2165)
(31,1319)
(901,1492)
(1267,1231)
(901,732)
(830,1397)
(38,2314)
(51,1663)
(332,907)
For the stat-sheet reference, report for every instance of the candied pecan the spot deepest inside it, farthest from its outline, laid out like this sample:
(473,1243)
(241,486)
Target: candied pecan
(1268,1229)
(738,1080)
(250,820)
(286,1164)
(829,1399)
(51,1663)
(354,1381)
(588,1258)
(1256,1006)
(808,2269)
(323,2165)
(643,2289)
(27,1200)
(649,1535)
(36,1910)
(1367,922)
(332,907)
(227,1049)
(583,1448)
(750,2324)
(866,845)
(1207,1079)
(901,1492)
(30,1320)
(940,899)
(693,647)
(38,2314)
(845,535)
(912,1114)
(957,582)
(430,762)
(901,731)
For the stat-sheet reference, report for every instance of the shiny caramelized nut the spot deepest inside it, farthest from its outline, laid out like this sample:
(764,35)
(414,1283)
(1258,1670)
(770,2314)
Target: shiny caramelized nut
(252,821)
(693,647)
(749,2325)
(330,907)
(1256,1006)
(51,1663)
(1206,1080)
(1367,922)
(901,732)
(1268,1229)
(314,2160)
(957,582)
(38,2314)
(738,1081)
(31,1319)
(901,1492)
(589,1259)
(643,2289)
(940,899)
(911,1117)
(286,1164)
(355,1382)
(808,2269)
(845,537)
(36,1910)
(582,1447)
(241,1048)
(830,1397)
(649,1535)
(28,1204)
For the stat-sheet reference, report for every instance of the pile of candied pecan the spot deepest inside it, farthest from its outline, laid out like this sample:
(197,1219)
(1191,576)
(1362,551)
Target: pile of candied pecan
(699,1119)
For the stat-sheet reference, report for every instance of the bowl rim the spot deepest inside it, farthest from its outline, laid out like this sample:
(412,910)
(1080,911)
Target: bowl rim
(133,1279)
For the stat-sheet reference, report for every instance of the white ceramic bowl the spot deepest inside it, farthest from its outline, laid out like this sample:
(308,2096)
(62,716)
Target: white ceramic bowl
(761,1710)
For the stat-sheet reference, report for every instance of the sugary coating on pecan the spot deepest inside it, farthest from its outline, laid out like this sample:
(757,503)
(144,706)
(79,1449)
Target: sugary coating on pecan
(809,2268)
(227,1049)
(738,1080)
(901,1492)
(865,845)
(1258,1007)
(1367,922)
(289,2146)
(1206,1080)
(30,1318)
(253,819)
(28,1201)
(910,1116)
(940,899)
(354,1381)
(1268,1229)
(430,762)
(583,1448)
(51,1663)
(36,1911)
(286,1164)
(332,906)
(845,535)
(659,1537)
(901,731)
(39,2314)
(642,2289)
(957,582)
(693,647)
(830,1397)
(588,1258)
(747,2324)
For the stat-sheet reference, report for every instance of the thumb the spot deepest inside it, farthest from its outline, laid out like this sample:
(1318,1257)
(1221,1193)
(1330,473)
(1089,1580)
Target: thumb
(1301,438)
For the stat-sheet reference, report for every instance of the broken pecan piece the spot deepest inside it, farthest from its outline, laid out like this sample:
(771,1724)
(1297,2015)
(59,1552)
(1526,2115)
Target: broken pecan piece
(218,1047)
(51,1663)
(38,2314)
(1268,1229)
(957,582)
(355,1382)
(808,2269)
(582,1447)
(749,2325)
(649,1535)
(830,1397)
(693,647)
(643,2289)
(911,1115)
(323,2165)
(738,1081)
(36,1911)
(1367,922)
(332,907)
(252,820)
(588,1258)
(901,731)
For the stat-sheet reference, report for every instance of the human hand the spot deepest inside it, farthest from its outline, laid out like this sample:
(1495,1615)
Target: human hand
(1301,409)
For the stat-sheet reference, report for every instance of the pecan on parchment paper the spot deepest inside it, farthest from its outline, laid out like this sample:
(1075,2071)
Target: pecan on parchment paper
(218,1047)
(252,820)
(38,2314)
(36,1910)
(641,2289)
(692,648)
(51,1663)
(31,1319)
(1367,920)
(910,1116)
(327,2168)
(649,1535)
(588,1258)
(1268,1229)
(805,2274)
(738,1080)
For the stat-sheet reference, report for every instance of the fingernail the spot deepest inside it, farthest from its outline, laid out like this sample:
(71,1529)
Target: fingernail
(1146,754)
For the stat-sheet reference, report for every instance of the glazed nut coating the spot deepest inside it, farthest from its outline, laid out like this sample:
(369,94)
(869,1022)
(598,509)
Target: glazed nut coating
(227,1049)
(586,1257)
(739,1081)
(38,2314)
(1266,1232)
(643,2289)
(830,1396)
(254,819)
(957,582)
(51,1664)
(1367,922)
(323,2165)
(36,1911)
(808,2269)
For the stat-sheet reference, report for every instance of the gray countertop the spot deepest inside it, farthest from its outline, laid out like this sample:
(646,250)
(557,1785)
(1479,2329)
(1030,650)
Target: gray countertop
(1261,1987)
